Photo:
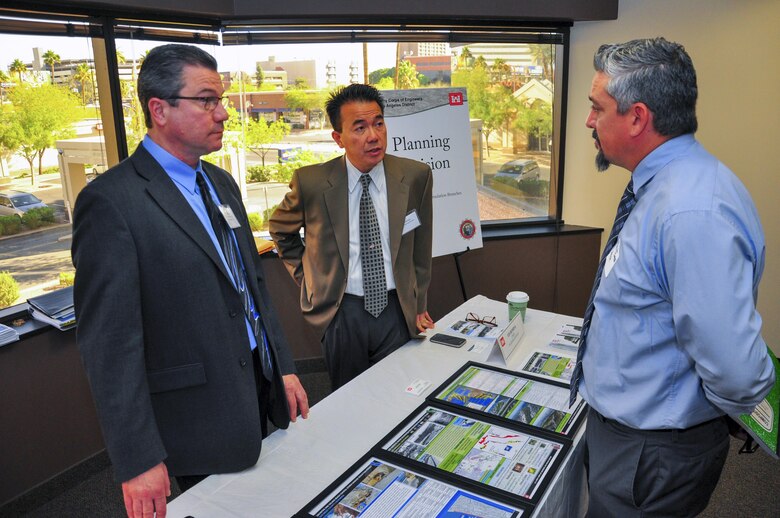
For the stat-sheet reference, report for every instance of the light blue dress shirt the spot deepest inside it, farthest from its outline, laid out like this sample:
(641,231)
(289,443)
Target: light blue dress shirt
(183,177)
(675,338)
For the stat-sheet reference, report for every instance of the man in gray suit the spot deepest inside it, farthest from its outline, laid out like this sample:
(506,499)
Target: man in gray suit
(179,338)
(365,267)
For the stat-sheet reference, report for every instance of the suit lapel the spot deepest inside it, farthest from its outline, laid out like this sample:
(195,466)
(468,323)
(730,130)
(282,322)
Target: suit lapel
(337,205)
(397,202)
(162,189)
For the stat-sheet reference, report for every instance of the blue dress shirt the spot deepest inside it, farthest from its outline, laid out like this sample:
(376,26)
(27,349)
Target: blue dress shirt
(675,338)
(183,177)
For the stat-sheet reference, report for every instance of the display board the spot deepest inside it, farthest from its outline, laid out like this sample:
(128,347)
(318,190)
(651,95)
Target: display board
(488,442)
(432,125)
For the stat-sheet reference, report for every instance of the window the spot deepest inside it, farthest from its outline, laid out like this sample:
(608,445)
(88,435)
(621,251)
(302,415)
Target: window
(277,80)
(50,133)
(278,91)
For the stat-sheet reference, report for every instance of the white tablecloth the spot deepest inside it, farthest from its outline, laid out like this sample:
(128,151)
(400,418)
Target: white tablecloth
(298,463)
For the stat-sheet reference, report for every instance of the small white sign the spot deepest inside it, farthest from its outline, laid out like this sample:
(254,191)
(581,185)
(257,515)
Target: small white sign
(230,218)
(417,387)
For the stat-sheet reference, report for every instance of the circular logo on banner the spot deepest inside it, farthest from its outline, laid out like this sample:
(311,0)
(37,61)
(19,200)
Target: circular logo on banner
(467,229)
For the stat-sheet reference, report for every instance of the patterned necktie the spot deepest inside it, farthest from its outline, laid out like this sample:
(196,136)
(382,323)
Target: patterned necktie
(627,203)
(371,260)
(233,259)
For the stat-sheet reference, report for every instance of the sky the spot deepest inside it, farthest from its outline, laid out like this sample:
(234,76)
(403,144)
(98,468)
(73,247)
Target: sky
(233,58)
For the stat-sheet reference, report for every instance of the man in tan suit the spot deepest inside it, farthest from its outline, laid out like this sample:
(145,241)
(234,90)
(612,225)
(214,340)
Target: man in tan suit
(365,266)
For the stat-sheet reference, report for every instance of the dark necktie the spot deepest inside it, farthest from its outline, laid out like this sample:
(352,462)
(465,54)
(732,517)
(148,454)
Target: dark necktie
(371,260)
(233,259)
(627,203)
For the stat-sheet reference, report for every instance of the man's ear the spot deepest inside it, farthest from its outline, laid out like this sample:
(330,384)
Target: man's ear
(158,109)
(642,119)
(337,138)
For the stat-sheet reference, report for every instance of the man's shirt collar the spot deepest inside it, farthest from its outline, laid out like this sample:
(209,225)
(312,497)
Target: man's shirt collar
(377,175)
(181,173)
(659,158)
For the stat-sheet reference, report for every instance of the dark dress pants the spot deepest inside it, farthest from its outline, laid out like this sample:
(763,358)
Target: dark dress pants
(355,340)
(652,473)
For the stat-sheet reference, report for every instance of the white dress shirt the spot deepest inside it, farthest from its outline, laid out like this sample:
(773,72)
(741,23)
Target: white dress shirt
(378,193)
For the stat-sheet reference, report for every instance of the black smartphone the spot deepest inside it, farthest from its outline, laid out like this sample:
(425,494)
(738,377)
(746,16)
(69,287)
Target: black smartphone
(452,341)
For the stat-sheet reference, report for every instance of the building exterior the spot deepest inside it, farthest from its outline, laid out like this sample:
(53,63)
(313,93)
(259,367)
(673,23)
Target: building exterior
(305,70)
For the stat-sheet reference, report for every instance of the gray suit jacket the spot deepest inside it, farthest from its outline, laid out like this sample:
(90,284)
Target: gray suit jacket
(318,202)
(161,329)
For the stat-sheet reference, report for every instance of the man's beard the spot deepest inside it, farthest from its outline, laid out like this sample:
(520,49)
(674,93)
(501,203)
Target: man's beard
(602,164)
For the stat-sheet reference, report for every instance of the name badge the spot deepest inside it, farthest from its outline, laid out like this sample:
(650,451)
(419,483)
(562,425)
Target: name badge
(612,258)
(411,222)
(230,218)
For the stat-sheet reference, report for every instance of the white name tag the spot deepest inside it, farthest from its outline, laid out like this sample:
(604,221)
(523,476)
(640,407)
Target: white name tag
(411,222)
(612,258)
(230,218)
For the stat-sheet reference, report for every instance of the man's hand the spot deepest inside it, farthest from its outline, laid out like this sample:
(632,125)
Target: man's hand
(296,397)
(145,494)
(424,321)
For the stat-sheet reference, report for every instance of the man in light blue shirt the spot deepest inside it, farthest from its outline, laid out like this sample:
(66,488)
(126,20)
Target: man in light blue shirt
(674,339)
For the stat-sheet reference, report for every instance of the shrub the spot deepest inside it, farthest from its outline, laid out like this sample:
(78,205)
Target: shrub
(255,221)
(66,278)
(32,219)
(258,173)
(10,225)
(9,289)
(267,215)
(45,214)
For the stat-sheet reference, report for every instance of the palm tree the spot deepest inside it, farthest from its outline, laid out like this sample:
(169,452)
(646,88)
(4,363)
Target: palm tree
(543,55)
(83,75)
(51,58)
(19,67)
(120,57)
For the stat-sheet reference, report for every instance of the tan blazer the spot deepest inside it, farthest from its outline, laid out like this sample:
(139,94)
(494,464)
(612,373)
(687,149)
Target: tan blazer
(318,202)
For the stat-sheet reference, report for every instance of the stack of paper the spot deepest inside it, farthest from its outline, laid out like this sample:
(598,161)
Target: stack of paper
(7,335)
(568,337)
(54,308)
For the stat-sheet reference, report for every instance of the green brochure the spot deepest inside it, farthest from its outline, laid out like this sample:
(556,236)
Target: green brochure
(763,423)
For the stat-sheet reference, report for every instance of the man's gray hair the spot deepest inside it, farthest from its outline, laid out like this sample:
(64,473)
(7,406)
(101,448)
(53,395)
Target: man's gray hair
(656,72)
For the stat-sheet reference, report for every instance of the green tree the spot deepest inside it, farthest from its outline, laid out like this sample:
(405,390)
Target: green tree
(501,71)
(259,76)
(543,55)
(377,75)
(9,289)
(83,76)
(18,67)
(492,103)
(306,101)
(51,58)
(10,138)
(535,120)
(261,134)
(386,83)
(42,115)
(408,75)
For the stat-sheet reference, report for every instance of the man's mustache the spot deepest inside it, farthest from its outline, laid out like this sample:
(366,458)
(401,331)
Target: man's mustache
(596,136)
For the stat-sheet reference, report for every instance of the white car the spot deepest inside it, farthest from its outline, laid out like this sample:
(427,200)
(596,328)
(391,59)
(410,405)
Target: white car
(16,203)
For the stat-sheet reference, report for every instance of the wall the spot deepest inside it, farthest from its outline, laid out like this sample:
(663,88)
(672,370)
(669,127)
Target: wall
(735,47)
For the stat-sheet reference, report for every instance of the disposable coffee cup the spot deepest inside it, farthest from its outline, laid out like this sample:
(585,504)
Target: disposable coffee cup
(518,302)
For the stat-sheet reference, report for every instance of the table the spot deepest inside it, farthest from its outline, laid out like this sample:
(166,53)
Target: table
(296,464)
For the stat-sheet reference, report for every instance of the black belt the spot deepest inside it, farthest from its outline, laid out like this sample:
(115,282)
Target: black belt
(661,431)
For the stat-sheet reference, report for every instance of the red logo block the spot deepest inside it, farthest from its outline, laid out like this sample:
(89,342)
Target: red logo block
(456,98)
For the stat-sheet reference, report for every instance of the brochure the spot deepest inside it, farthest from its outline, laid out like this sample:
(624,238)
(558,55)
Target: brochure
(762,423)
(475,329)
(548,365)
(514,397)
(508,460)
(376,488)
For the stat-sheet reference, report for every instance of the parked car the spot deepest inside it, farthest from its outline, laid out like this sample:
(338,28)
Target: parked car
(520,170)
(16,203)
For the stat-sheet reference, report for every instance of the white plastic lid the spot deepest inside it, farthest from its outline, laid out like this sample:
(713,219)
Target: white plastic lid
(517,296)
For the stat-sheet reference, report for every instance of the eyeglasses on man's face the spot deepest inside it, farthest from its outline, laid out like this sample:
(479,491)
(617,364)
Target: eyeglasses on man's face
(488,320)
(209,103)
